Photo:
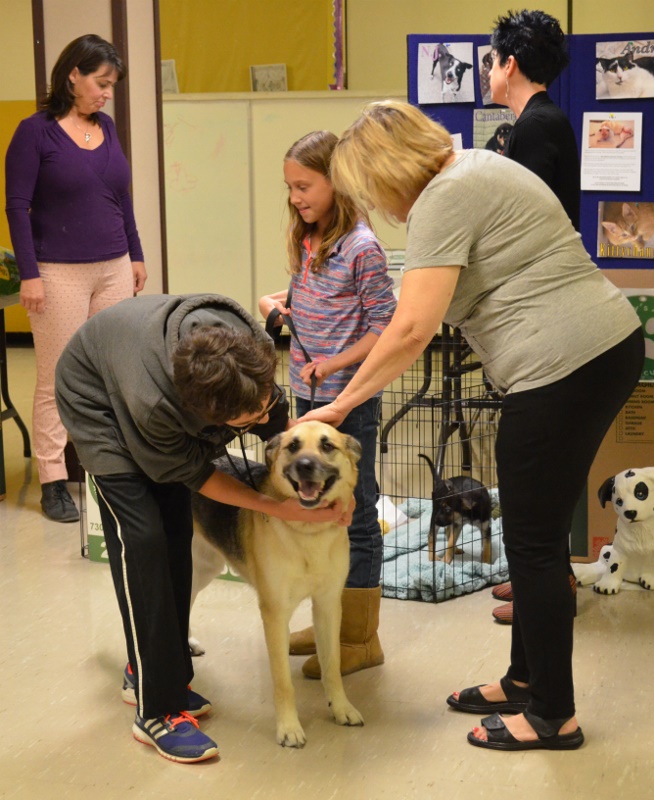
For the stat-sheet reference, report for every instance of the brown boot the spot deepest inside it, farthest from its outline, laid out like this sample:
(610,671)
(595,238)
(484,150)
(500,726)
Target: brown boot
(360,646)
(303,643)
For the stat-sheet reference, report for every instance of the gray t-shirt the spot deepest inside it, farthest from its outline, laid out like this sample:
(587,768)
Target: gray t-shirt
(529,300)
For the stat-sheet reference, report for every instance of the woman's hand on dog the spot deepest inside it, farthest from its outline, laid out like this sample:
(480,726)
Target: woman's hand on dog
(331,414)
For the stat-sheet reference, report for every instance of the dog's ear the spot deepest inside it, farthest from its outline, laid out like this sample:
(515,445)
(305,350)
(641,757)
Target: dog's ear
(353,448)
(272,446)
(606,490)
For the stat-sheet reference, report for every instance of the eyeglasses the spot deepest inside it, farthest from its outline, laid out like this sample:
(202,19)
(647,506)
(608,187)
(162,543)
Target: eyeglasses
(240,430)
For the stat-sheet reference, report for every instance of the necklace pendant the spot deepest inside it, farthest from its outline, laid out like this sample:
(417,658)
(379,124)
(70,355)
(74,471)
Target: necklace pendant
(87,137)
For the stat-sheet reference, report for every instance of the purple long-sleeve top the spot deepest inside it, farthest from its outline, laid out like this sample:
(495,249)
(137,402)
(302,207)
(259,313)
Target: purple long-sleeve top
(65,204)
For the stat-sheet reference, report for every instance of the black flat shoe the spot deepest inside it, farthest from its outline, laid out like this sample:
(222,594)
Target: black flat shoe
(56,502)
(500,738)
(472,701)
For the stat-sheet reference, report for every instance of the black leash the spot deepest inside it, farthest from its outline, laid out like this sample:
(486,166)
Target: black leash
(273,331)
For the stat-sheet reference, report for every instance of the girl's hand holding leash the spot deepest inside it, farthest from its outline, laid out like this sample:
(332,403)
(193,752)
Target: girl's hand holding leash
(320,369)
(272,301)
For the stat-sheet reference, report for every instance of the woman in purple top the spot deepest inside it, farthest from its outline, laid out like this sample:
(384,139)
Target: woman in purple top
(73,231)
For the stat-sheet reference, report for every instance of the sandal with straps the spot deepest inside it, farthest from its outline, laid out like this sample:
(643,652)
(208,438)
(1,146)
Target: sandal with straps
(472,701)
(549,738)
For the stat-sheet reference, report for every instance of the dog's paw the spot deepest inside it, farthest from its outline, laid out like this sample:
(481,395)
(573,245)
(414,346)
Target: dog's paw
(606,587)
(291,734)
(195,647)
(647,582)
(346,714)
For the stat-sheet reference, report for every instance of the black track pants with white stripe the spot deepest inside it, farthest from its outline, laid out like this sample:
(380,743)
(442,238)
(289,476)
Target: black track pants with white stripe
(148,528)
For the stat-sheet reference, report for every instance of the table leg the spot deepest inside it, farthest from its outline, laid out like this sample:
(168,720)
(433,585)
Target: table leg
(10,411)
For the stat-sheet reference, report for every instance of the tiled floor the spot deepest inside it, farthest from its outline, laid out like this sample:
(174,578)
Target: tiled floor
(66,733)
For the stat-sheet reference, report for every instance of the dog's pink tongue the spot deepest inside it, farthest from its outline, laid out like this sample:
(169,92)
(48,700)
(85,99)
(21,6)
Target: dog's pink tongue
(309,489)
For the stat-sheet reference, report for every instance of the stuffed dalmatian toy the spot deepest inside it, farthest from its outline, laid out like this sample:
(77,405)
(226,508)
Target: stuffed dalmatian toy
(631,556)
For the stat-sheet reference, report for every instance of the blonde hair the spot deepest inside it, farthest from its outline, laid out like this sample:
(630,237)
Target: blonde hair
(388,156)
(314,151)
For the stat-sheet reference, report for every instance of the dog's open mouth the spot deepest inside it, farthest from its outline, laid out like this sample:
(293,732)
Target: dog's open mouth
(310,493)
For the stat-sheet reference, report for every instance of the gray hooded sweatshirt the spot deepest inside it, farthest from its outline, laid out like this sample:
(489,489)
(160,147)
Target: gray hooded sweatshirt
(116,397)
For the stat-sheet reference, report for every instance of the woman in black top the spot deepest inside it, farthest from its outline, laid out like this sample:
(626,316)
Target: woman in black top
(528,54)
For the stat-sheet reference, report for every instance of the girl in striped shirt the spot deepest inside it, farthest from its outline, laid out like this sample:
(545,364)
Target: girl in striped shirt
(342,299)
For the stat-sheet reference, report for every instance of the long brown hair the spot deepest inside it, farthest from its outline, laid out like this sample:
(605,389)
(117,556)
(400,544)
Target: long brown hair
(314,151)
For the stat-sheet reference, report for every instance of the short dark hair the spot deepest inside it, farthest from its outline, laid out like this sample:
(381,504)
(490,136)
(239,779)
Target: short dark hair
(535,40)
(221,373)
(88,53)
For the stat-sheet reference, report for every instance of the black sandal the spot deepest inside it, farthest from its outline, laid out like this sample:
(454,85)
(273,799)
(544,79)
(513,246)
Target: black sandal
(549,738)
(473,701)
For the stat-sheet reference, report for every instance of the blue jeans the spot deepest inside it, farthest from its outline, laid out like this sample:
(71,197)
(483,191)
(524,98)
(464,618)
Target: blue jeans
(365,533)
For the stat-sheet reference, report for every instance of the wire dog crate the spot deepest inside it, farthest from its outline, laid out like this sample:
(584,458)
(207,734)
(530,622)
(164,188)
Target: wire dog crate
(441,408)
(439,421)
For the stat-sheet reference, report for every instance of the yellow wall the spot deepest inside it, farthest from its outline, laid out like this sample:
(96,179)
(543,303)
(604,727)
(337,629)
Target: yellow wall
(377,29)
(214,43)
(613,17)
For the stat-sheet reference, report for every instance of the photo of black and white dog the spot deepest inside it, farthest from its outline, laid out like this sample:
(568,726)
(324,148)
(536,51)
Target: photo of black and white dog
(445,73)
(451,71)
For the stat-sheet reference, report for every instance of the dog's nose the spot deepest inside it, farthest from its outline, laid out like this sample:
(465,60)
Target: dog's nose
(631,515)
(304,468)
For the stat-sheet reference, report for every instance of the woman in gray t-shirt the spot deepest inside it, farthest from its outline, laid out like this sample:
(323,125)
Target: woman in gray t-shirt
(491,251)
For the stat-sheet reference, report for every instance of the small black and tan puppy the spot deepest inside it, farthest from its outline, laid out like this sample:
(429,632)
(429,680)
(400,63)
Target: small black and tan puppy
(455,501)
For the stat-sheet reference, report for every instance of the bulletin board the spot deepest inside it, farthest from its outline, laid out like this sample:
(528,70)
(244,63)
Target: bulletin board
(574,92)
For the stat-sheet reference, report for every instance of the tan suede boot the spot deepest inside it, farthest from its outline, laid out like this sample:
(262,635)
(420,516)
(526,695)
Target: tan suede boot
(303,643)
(360,646)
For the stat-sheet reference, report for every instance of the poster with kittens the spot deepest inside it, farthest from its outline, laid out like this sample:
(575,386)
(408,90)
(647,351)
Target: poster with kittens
(624,69)
(625,230)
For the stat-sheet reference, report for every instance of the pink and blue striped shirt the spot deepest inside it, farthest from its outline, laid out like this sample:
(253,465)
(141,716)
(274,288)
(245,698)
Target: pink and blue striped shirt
(333,309)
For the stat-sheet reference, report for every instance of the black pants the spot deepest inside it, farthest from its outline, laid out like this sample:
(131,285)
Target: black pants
(148,528)
(546,443)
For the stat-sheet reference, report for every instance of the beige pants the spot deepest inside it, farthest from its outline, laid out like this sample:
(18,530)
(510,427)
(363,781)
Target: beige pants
(73,294)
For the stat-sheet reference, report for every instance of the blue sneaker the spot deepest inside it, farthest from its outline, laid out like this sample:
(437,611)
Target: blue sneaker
(197,705)
(175,737)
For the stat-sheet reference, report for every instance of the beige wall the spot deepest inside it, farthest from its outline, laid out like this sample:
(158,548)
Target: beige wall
(225,192)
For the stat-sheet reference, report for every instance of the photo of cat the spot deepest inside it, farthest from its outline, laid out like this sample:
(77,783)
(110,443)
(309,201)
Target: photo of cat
(611,133)
(624,70)
(625,230)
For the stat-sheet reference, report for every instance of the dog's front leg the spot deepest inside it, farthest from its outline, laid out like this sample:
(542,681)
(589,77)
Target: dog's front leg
(453,538)
(327,626)
(610,582)
(276,617)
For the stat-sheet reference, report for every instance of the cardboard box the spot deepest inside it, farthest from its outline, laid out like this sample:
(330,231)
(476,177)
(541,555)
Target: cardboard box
(9,277)
(630,439)
(96,546)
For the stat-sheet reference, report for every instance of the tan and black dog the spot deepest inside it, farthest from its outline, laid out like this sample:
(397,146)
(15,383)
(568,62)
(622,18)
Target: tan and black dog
(288,561)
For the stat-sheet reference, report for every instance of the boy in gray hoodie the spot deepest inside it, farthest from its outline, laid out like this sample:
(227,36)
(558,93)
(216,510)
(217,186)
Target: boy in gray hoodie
(151,390)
